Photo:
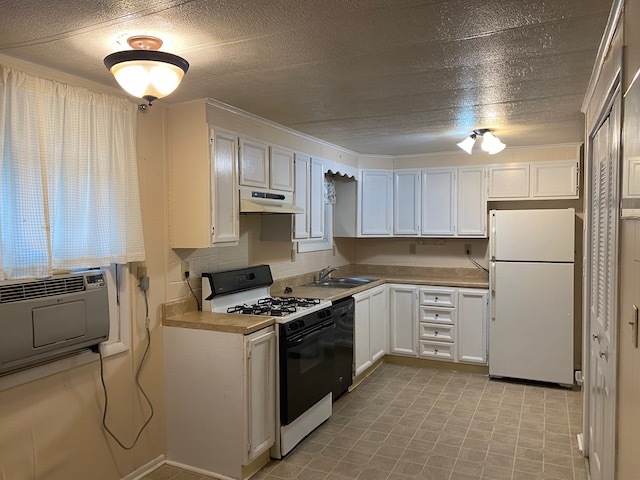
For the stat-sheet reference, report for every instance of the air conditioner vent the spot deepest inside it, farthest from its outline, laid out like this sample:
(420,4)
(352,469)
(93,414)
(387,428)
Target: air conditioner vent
(41,288)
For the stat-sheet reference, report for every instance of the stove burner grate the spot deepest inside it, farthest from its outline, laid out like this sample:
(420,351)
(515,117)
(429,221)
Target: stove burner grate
(274,306)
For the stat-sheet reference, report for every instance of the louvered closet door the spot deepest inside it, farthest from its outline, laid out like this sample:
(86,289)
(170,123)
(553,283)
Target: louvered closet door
(603,232)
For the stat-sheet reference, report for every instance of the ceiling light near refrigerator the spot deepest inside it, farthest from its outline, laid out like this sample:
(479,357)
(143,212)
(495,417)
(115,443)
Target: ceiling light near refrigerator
(490,143)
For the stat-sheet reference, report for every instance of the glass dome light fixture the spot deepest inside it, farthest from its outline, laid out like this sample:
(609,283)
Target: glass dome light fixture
(490,143)
(145,72)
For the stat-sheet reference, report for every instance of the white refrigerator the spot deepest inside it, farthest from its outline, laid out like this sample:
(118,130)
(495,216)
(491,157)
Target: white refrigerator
(531,279)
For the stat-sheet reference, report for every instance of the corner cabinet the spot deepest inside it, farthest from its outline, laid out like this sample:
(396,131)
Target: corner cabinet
(203,180)
(370,334)
(226,420)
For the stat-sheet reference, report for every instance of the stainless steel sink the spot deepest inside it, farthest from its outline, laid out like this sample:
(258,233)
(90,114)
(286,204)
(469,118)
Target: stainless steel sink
(341,282)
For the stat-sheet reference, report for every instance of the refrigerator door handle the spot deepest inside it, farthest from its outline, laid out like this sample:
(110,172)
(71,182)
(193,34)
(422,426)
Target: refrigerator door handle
(493,290)
(493,239)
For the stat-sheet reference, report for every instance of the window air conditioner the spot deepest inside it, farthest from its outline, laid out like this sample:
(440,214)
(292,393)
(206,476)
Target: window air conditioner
(44,320)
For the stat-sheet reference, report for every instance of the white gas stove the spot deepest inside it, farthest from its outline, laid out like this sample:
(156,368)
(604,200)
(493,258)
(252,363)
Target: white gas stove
(257,301)
(306,344)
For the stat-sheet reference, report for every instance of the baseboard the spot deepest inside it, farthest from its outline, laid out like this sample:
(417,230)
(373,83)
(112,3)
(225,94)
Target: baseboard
(437,364)
(197,470)
(146,468)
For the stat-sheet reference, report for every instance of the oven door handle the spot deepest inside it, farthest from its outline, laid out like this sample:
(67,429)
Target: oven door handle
(313,334)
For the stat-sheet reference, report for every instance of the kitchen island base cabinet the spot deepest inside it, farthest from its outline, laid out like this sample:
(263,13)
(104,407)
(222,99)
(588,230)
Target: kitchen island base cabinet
(369,329)
(220,390)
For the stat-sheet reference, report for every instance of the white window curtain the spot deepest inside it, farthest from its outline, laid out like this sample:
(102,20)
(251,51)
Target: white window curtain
(68,179)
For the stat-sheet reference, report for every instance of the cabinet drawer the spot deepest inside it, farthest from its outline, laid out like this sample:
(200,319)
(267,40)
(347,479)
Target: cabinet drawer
(446,316)
(442,297)
(437,350)
(439,333)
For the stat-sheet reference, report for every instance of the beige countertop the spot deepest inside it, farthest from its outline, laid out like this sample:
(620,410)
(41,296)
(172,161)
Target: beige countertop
(333,294)
(183,314)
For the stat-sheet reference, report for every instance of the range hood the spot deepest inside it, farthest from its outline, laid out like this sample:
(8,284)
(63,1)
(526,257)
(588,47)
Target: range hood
(267,201)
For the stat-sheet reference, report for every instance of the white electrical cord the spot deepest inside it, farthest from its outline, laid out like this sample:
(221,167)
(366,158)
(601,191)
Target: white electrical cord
(144,286)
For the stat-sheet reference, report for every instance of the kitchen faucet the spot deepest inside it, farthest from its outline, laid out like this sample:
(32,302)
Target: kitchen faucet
(324,273)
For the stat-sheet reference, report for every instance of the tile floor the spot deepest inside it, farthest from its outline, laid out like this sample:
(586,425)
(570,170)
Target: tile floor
(406,423)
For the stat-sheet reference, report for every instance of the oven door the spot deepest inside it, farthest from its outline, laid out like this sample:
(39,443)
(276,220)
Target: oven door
(306,369)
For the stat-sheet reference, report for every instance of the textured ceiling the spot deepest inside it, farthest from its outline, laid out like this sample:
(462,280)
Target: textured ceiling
(373,76)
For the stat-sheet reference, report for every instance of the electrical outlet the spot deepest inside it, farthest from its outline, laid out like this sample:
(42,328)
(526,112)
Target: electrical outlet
(141,272)
(467,249)
(184,267)
(412,249)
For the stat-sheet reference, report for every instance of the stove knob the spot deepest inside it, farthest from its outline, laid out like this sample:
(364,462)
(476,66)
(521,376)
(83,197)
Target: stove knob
(293,325)
(301,323)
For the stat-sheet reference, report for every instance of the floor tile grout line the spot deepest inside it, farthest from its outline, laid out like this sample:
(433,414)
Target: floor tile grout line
(467,432)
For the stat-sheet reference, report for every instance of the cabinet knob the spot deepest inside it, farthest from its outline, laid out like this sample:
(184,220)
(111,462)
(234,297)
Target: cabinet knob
(436,299)
(435,350)
(435,334)
(436,315)
(596,336)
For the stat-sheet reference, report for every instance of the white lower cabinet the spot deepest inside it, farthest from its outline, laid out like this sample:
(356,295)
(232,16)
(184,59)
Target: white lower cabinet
(438,323)
(220,391)
(472,325)
(369,327)
(403,325)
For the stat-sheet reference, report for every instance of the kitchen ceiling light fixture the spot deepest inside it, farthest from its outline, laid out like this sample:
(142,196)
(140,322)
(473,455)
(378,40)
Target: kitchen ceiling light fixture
(490,143)
(145,72)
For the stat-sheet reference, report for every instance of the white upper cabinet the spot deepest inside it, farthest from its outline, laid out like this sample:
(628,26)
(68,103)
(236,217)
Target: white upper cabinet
(554,180)
(309,195)
(438,202)
(281,169)
(316,199)
(203,179)
(406,202)
(224,195)
(508,182)
(472,202)
(534,181)
(376,203)
(302,177)
(254,163)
